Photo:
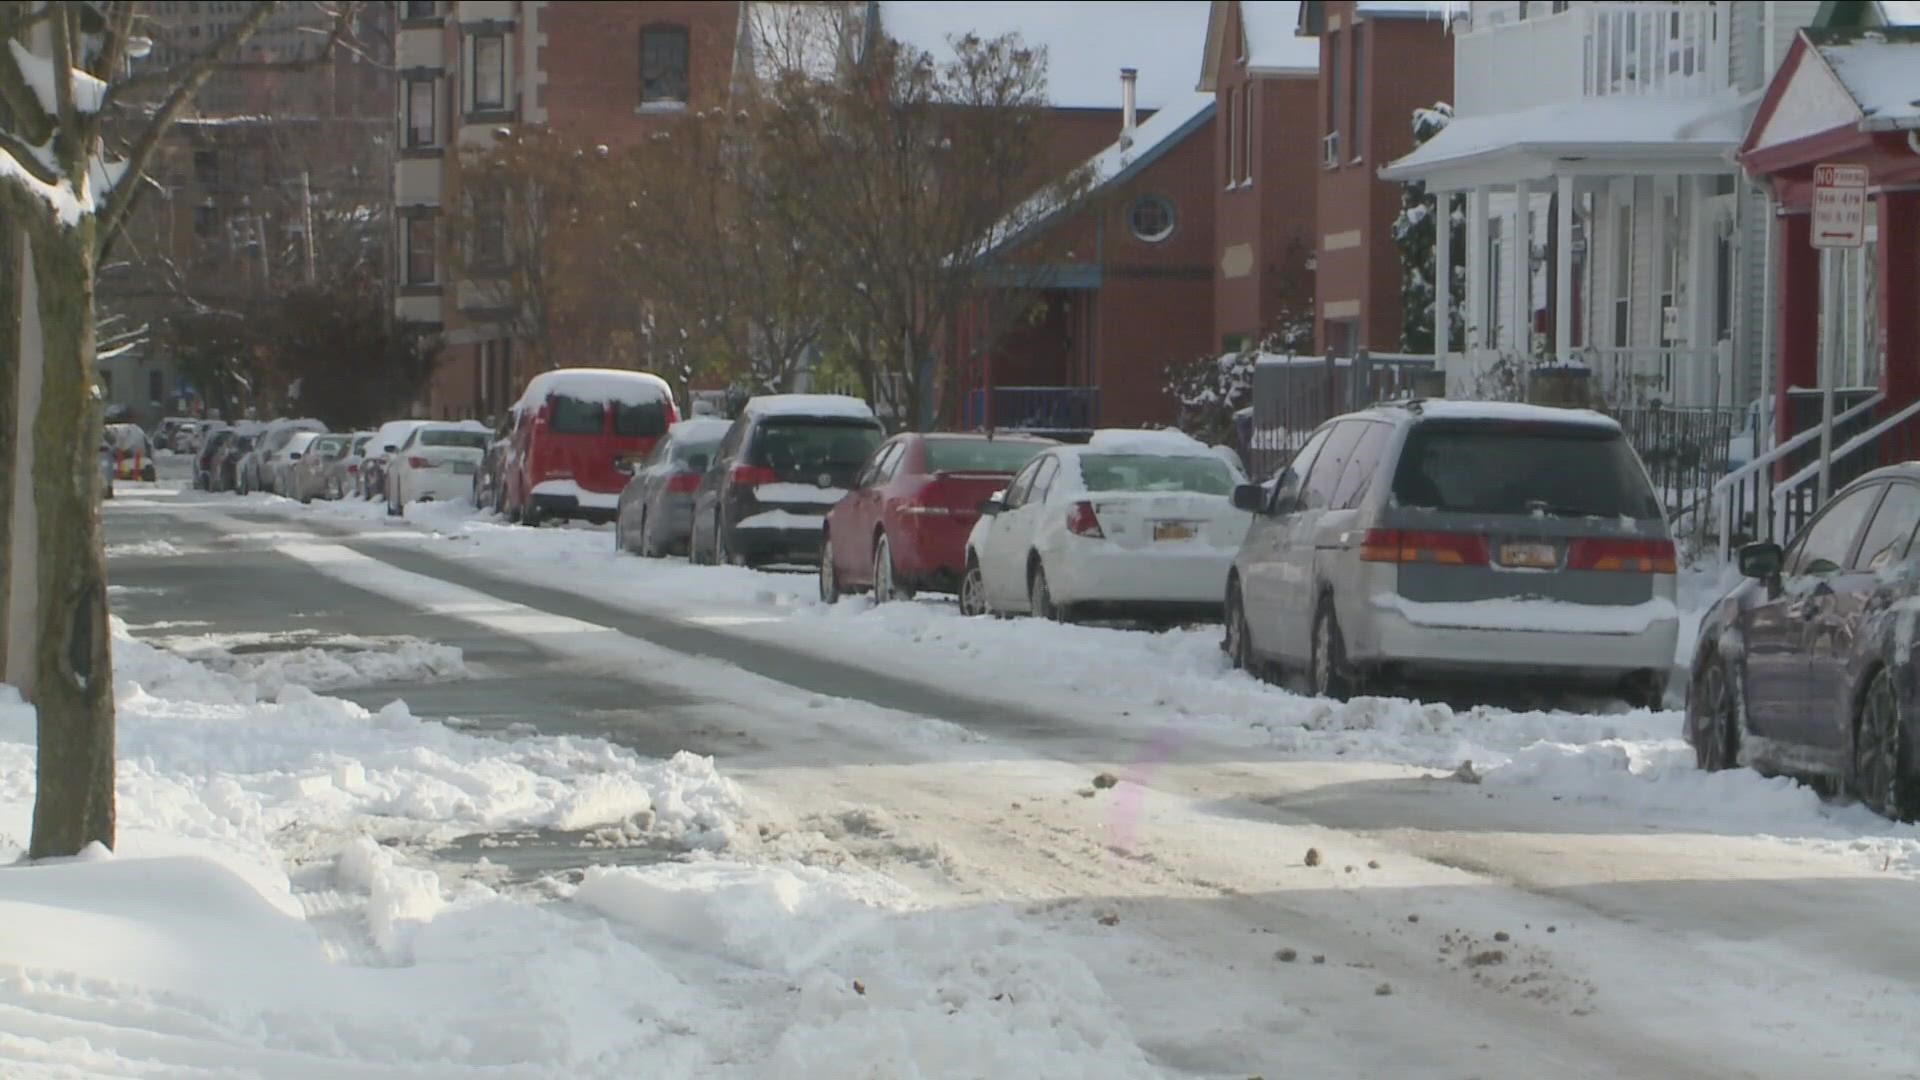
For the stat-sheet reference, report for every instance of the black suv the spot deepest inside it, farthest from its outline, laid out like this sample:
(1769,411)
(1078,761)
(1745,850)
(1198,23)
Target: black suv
(782,465)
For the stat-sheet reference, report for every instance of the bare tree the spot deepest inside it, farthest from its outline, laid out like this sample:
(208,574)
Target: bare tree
(65,193)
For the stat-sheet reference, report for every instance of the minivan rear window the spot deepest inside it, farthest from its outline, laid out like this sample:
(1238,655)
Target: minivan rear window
(572,416)
(981,455)
(646,419)
(1559,470)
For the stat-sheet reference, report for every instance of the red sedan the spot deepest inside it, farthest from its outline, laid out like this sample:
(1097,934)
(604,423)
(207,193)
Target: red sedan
(904,524)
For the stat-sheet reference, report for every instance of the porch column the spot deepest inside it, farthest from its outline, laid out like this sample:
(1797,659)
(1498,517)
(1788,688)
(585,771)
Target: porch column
(1701,380)
(1899,270)
(1442,276)
(1523,268)
(1796,314)
(1478,330)
(1563,273)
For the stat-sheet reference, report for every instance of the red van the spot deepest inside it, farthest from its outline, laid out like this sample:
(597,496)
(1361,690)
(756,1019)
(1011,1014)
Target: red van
(570,428)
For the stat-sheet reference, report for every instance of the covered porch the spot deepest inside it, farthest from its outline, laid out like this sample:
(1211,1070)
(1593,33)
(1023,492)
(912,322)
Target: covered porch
(1038,375)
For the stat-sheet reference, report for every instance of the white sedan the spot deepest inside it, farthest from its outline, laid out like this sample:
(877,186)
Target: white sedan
(438,461)
(281,463)
(1133,522)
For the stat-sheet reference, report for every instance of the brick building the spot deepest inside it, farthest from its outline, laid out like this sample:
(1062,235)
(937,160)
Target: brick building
(612,74)
(1379,61)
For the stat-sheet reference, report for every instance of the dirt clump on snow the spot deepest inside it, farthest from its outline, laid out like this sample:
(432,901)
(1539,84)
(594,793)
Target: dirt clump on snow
(1313,856)
(1105,780)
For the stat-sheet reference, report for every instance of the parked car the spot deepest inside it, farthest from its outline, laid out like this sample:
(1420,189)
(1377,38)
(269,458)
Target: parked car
(132,451)
(1806,668)
(279,464)
(1465,541)
(162,434)
(1132,523)
(203,461)
(256,471)
(436,462)
(904,526)
(226,463)
(781,466)
(570,427)
(386,442)
(655,514)
(345,476)
(181,440)
(312,474)
(489,483)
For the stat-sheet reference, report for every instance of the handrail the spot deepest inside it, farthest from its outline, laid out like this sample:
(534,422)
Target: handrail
(1812,468)
(1761,461)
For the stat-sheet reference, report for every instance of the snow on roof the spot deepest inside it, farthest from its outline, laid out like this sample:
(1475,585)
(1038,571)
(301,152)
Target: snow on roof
(1272,43)
(1436,9)
(1118,162)
(700,429)
(1086,45)
(456,425)
(1512,411)
(595,384)
(1587,126)
(836,405)
(1882,76)
(1164,442)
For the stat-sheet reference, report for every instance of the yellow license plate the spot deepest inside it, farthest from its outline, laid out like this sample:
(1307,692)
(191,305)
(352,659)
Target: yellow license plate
(1530,556)
(1172,530)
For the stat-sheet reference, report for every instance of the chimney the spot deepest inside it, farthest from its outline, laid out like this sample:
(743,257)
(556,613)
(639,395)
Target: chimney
(1127,78)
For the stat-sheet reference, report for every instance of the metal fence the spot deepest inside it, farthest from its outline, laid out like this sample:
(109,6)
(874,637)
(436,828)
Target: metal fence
(1039,409)
(1292,395)
(1685,450)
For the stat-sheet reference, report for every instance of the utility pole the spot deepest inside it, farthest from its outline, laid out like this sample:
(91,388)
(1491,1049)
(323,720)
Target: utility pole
(306,202)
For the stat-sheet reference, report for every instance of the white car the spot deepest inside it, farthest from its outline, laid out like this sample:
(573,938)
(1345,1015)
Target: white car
(1133,522)
(438,461)
(373,467)
(279,464)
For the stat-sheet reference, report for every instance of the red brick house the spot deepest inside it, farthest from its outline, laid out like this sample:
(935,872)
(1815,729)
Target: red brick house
(1379,61)
(1265,82)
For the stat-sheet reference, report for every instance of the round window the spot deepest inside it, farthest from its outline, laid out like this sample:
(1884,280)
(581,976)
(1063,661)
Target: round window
(1151,218)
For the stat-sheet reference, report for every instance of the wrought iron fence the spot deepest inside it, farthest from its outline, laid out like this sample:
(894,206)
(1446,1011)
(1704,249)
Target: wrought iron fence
(1040,409)
(1292,395)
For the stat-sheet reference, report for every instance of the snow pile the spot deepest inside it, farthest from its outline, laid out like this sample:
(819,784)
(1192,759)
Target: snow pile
(151,548)
(334,664)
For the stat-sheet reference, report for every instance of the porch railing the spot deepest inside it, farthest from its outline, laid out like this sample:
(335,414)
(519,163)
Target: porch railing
(1685,451)
(1592,50)
(1670,374)
(1056,409)
(1750,506)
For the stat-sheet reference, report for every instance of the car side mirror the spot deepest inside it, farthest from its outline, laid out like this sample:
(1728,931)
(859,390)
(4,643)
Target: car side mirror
(1762,560)
(295,456)
(623,466)
(392,449)
(1249,497)
(990,507)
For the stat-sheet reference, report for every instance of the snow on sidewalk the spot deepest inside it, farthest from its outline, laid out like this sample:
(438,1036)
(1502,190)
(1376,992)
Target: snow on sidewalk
(267,914)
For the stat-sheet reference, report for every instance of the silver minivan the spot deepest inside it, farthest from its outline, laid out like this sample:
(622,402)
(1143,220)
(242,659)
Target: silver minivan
(1458,541)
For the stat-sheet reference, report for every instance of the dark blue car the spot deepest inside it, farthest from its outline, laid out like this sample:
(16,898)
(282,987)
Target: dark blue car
(1807,668)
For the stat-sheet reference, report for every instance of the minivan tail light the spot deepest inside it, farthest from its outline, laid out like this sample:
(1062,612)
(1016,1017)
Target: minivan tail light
(752,476)
(683,483)
(1415,546)
(1632,556)
(1082,521)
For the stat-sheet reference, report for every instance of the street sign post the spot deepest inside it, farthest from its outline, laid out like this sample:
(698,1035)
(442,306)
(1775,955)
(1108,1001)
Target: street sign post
(1839,221)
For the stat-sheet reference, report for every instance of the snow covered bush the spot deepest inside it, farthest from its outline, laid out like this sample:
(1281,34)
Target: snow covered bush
(1413,233)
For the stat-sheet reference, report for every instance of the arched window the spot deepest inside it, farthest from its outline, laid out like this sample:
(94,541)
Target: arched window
(663,65)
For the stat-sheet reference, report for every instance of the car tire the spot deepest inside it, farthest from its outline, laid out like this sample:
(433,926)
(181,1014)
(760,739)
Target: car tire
(1713,717)
(973,590)
(647,548)
(1882,770)
(1040,598)
(886,584)
(1327,672)
(1239,645)
(829,578)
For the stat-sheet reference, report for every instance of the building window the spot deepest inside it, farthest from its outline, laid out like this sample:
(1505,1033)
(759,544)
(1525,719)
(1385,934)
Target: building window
(489,234)
(1233,140)
(1150,219)
(1496,279)
(489,72)
(1622,256)
(663,65)
(1357,98)
(206,222)
(206,167)
(156,385)
(418,9)
(1246,136)
(420,261)
(1332,83)
(420,112)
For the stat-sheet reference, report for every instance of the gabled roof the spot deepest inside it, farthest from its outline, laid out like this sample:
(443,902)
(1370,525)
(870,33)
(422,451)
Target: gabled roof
(1847,13)
(1111,167)
(1839,79)
(1273,47)
(1086,45)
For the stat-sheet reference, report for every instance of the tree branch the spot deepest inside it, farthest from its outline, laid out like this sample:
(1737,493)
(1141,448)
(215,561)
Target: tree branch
(29,161)
(69,141)
(337,35)
(114,50)
(30,120)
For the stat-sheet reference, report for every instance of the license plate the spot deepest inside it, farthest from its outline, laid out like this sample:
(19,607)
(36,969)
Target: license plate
(463,468)
(1172,530)
(1530,556)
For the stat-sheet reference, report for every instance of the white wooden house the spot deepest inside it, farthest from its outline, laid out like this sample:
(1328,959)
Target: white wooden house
(1641,254)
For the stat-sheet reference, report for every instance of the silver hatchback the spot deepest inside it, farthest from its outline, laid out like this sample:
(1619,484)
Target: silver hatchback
(1458,541)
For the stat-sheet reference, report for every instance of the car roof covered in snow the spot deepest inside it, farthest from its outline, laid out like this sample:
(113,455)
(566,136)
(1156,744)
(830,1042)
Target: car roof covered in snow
(1163,442)
(699,429)
(456,425)
(621,385)
(1500,411)
(835,405)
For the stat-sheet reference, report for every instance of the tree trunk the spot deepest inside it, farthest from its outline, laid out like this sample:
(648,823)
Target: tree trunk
(59,649)
(12,253)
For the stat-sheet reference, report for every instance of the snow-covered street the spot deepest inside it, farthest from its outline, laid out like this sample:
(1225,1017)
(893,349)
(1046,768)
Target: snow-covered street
(441,796)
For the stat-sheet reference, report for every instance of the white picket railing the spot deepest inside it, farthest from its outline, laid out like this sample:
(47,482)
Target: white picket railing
(1591,50)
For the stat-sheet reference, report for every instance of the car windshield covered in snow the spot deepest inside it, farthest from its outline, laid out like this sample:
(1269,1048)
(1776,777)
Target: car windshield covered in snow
(1156,472)
(1562,470)
(472,440)
(800,448)
(981,455)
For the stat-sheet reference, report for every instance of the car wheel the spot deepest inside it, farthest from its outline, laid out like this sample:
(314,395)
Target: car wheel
(1883,773)
(648,550)
(1239,644)
(620,538)
(1330,677)
(886,586)
(973,590)
(1040,598)
(829,579)
(721,555)
(1713,722)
